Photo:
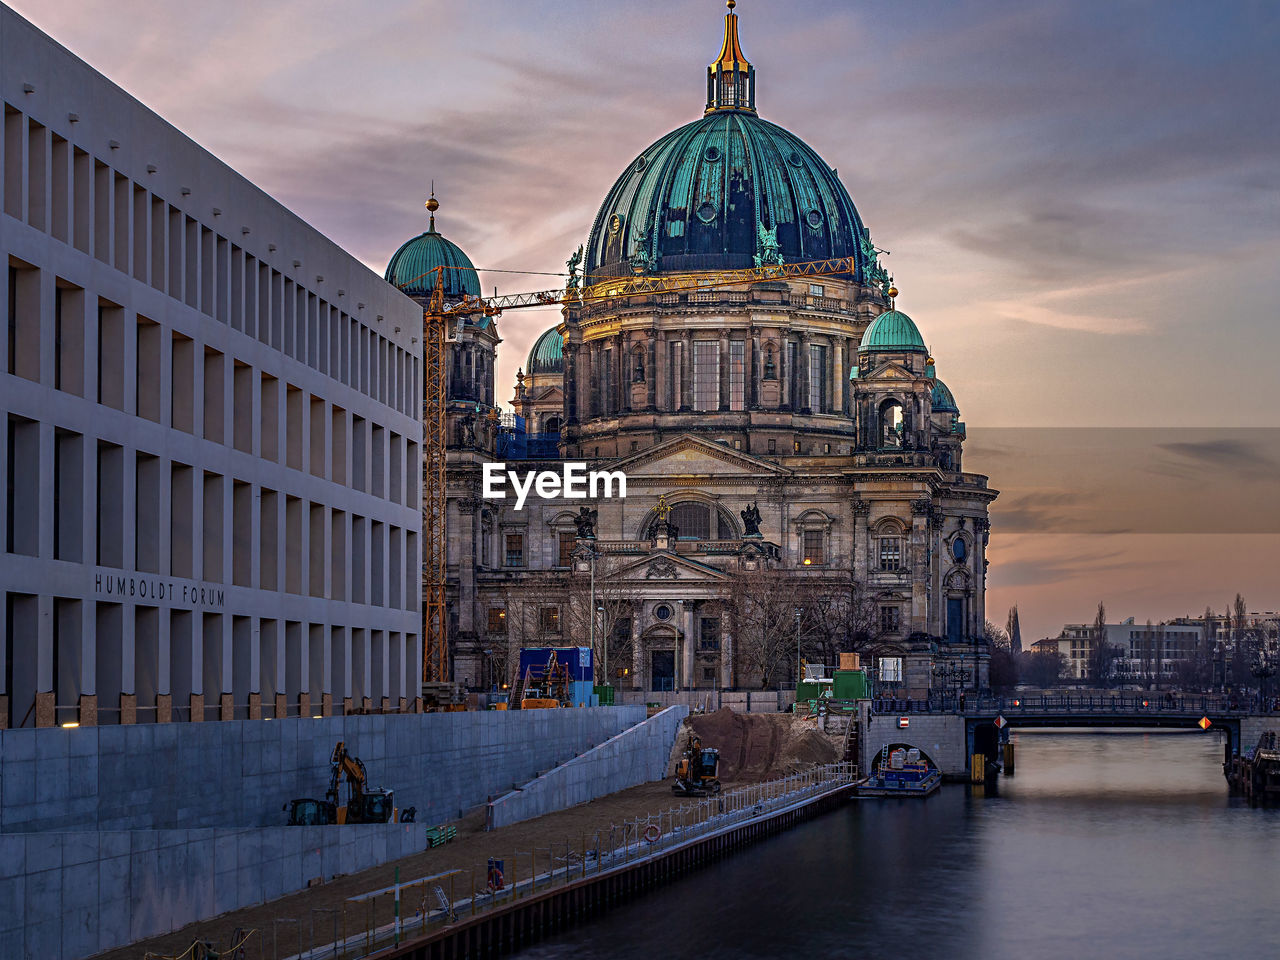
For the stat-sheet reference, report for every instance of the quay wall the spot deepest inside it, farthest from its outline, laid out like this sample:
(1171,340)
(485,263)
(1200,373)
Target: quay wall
(940,736)
(240,773)
(637,755)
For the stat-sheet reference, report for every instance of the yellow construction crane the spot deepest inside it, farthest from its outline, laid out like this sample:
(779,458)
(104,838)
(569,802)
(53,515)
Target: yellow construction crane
(435,321)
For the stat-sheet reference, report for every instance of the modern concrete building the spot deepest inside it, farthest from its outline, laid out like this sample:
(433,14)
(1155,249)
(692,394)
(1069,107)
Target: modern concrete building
(1146,651)
(211,429)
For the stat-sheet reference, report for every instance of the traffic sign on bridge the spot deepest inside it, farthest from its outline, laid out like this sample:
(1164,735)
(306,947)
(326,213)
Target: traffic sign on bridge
(1000,722)
(1205,722)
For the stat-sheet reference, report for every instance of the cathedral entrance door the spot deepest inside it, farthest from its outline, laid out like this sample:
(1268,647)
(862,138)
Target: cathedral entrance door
(662,669)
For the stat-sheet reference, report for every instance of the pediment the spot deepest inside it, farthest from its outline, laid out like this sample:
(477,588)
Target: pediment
(891,371)
(689,456)
(664,566)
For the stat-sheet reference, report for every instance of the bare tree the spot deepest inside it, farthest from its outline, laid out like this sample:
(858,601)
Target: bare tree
(762,605)
(616,601)
(1102,653)
(837,618)
(1044,668)
(1003,669)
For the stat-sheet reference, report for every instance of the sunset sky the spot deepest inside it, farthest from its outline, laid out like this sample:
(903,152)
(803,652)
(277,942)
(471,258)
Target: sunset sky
(1081,200)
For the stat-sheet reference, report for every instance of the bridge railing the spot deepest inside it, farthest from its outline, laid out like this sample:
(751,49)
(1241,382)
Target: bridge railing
(1074,703)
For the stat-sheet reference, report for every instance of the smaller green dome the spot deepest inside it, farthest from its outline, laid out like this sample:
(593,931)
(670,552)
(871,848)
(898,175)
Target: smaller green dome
(943,401)
(410,267)
(893,330)
(547,354)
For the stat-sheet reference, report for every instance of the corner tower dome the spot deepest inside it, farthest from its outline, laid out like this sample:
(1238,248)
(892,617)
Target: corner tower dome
(411,266)
(724,192)
(893,330)
(547,354)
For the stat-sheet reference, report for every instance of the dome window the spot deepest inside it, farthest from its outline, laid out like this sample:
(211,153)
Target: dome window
(815,219)
(794,159)
(706,213)
(641,162)
(959,550)
(711,154)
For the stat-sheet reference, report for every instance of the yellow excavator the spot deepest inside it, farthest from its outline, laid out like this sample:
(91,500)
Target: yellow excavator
(696,773)
(364,804)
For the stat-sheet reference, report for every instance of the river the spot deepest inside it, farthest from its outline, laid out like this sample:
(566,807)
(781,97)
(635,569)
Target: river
(1104,844)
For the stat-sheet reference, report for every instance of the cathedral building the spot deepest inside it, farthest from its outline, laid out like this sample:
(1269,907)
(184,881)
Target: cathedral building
(793,463)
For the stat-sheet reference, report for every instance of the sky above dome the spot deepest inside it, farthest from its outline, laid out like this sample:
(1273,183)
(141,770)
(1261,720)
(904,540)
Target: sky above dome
(1081,200)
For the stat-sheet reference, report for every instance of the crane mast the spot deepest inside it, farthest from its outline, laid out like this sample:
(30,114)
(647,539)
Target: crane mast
(435,320)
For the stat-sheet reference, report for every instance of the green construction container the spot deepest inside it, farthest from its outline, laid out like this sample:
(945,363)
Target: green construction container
(810,689)
(849,685)
(604,694)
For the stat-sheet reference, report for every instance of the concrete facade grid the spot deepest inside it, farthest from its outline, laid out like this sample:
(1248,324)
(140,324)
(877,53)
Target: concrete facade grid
(212,430)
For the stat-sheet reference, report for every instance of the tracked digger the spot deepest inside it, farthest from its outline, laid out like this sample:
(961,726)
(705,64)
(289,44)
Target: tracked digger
(697,773)
(364,804)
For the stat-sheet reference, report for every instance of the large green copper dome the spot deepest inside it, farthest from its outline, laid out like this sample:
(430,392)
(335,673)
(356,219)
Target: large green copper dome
(717,193)
(410,267)
(547,354)
(698,198)
(893,330)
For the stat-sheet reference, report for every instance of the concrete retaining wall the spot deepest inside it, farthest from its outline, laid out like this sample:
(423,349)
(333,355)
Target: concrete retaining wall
(238,774)
(740,701)
(72,895)
(635,756)
(941,736)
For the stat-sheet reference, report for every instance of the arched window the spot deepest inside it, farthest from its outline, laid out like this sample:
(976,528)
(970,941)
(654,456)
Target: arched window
(891,425)
(692,521)
(551,426)
(695,520)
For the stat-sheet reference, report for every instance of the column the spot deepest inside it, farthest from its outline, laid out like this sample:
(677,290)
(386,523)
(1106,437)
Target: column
(753,371)
(571,403)
(920,510)
(651,383)
(724,369)
(802,374)
(686,372)
(637,654)
(686,659)
(839,374)
(661,372)
(726,652)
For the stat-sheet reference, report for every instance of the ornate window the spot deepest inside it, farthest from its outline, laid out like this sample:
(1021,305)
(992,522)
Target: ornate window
(675,357)
(709,633)
(814,551)
(515,550)
(497,620)
(737,374)
(890,619)
(692,521)
(817,377)
(890,553)
(568,540)
(706,375)
(549,619)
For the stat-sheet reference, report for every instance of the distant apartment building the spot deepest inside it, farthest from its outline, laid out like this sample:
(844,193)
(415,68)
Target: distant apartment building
(1146,651)
(211,429)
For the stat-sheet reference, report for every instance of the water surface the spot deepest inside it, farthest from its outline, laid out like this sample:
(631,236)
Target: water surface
(1104,844)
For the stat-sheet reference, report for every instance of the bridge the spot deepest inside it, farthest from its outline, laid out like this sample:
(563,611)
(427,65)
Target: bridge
(950,729)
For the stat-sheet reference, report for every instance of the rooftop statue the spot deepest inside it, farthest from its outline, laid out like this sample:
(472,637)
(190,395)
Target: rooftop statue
(768,250)
(573,263)
(585,521)
(751,520)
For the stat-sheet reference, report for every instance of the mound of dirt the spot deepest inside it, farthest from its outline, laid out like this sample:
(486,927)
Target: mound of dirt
(759,746)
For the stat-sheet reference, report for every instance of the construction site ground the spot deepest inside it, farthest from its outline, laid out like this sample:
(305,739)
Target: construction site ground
(753,747)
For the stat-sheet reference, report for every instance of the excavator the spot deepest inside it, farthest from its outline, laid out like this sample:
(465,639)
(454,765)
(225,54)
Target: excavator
(696,771)
(364,804)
